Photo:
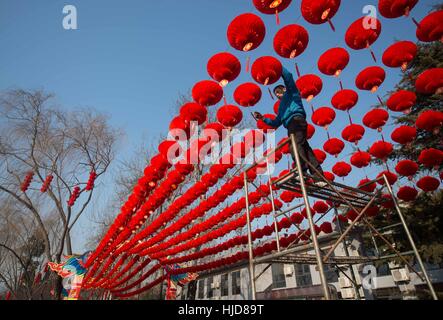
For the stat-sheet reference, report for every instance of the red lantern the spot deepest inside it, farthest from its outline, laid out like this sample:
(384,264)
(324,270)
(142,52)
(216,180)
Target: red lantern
(213,131)
(392,177)
(276,106)
(246,32)
(320,155)
(309,85)
(193,112)
(407,193)
(229,115)
(207,93)
(361,35)
(430,81)
(370,78)
(311,131)
(271,6)
(404,134)
(402,101)
(353,133)
(319,11)
(326,227)
(395,8)
(341,169)
(333,61)
(254,138)
(291,41)
(431,158)
(329,176)
(179,129)
(321,207)
(360,159)
(247,94)
(430,120)
(224,68)
(287,196)
(376,119)
(400,54)
(263,126)
(381,150)
(266,70)
(430,28)
(345,99)
(165,146)
(367,185)
(406,168)
(323,117)
(334,146)
(428,184)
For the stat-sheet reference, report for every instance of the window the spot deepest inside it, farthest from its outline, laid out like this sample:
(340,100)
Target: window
(235,278)
(209,283)
(224,285)
(201,289)
(278,276)
(303,275)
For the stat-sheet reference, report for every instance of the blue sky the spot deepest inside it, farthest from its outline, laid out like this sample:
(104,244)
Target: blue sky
(130,59)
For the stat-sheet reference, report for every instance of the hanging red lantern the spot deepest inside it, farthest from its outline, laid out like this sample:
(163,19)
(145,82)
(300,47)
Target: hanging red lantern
(430,81)
(367,185)
(321,207)
(207,93)
(229,115)
(266,70)
(247,94)
(376,119)
(276,106)
(360,159)
(370,78)
(329,176)
(430,120)
(428,184)
(271,6)
(213,131)
(362,33)
(407,193)
(311,131)
(246,32)
(323,117)
(309,85)
(430,28)
(395,8)
(344,99)
(179,129)
(254,138)
(326,227)
(334,146)
(27,181)
(319,11)
(392,178)
(404,134)
(342,169)
(381,150)
(291,41)
(431,158)
(287,196)
(402,101)
(263,126)
(193,112)
(319,155)
(400,54)
(353,133)
(333,61)
(224,67)
(406,168)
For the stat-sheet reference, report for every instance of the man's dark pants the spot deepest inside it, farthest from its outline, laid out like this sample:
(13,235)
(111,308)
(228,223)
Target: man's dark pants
(298,126)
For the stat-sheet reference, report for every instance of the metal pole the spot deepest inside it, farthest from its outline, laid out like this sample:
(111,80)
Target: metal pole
(311,221)
(271,193)
(351,268)
(411,240)
(251,255)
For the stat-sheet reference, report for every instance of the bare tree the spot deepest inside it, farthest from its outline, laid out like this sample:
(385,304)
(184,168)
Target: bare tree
(38,137)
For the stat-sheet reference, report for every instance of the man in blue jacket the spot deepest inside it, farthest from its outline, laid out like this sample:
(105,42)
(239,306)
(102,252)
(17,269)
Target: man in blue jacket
(292,115)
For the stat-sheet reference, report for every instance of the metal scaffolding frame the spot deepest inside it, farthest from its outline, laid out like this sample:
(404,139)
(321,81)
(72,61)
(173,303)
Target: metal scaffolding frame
(356,199)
